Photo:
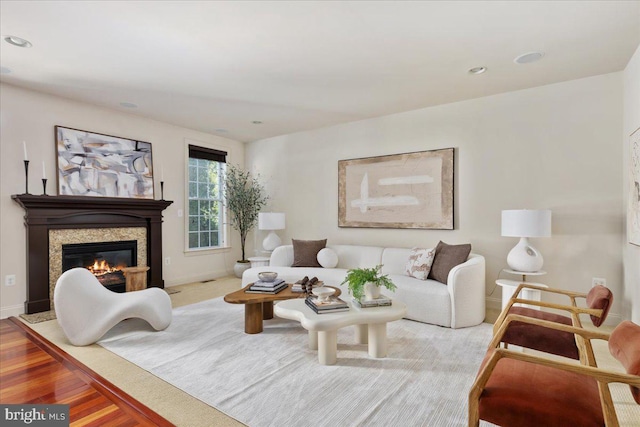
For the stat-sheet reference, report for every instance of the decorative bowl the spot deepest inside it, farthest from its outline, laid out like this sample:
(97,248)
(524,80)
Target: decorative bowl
(267,276)
(323,293)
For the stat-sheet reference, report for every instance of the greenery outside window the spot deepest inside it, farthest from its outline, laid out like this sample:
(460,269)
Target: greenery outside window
(206,192)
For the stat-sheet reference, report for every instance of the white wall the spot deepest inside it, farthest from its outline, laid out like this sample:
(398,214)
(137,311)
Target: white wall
(31,116)
(550,147)
(631,253)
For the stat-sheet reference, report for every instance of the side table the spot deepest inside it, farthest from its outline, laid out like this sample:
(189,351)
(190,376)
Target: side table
(509,287)
(259,261)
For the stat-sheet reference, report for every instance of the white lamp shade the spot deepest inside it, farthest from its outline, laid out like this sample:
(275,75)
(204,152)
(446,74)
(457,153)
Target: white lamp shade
(526,223)
(271,221)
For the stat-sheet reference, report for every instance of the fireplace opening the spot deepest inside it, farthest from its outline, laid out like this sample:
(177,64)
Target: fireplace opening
(105,260)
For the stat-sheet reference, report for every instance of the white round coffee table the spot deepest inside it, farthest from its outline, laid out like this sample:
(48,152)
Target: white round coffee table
(323,328)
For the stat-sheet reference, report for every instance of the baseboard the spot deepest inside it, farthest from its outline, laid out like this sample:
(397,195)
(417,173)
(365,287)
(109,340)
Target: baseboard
(195,278)
(493,303)
(613,319)
(12,310)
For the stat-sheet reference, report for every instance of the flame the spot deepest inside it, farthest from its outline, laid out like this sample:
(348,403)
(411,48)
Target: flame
(100,268)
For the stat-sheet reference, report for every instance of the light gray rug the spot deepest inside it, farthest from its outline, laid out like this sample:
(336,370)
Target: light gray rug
(273,379)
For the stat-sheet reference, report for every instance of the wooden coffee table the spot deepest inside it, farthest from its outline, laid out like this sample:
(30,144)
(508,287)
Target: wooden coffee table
(259,307)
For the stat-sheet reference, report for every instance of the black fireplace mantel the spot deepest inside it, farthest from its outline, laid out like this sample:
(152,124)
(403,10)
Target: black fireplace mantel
(44,213)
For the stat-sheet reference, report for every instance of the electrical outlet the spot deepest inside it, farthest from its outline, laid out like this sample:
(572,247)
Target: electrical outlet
(595,281)
(167,261)
(180,213)
(10,280)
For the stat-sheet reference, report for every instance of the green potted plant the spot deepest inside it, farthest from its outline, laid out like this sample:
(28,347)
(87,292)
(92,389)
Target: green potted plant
(244,198)
(367,282)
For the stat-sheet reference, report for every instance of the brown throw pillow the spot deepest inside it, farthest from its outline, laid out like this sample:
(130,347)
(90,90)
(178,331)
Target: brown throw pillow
(305,252)
(447,257)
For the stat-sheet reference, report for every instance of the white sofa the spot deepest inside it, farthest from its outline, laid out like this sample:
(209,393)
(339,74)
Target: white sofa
(458,304)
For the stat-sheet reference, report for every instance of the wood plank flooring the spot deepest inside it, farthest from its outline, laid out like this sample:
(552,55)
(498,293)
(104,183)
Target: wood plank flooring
(33,370)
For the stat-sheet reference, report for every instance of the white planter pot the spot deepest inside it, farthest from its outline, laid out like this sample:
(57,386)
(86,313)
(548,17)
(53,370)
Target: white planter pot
(371,291)
(240,267)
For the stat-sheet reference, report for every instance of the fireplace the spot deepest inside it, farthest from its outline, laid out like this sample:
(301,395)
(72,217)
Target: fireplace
(81,217)
(104,259)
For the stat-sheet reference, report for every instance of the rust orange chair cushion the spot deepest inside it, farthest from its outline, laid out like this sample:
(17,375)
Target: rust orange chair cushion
(600,297)
(522,394)
(624,345)
(541,338)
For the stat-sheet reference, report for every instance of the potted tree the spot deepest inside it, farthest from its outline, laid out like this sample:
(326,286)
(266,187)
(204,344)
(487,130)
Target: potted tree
(366,282)
(244,197)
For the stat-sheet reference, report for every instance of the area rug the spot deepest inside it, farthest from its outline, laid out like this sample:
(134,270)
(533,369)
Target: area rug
(273,378)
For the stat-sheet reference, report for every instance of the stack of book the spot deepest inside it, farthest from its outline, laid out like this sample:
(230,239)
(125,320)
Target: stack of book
(381,301)
(262,287)
(332,305)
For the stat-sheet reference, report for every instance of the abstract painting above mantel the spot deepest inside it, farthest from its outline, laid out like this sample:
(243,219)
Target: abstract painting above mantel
(633,211)
(411,190)
(93,164)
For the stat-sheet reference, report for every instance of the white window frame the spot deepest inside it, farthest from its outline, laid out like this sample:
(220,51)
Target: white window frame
(224,230)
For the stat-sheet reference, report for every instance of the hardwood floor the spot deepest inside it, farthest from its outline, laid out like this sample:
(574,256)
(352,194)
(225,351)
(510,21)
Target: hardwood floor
(32,370)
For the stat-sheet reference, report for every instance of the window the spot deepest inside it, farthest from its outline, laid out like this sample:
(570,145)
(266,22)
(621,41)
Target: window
(205,225)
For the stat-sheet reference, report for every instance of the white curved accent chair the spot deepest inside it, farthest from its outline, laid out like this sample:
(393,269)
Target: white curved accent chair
(86,310)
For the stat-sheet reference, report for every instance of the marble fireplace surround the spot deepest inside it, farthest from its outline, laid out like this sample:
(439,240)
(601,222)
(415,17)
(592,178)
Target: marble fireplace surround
(89,216)
(60,237)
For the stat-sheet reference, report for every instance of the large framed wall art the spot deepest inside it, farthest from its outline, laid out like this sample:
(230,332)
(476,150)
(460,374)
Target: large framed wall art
(411,190)
(93,164)
(633,210)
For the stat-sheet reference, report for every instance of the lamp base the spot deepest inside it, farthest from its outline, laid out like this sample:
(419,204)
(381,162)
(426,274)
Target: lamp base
(271,242)
(524,257)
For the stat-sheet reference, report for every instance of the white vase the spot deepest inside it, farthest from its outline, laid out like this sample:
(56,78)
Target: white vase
(240,267)
(371,291)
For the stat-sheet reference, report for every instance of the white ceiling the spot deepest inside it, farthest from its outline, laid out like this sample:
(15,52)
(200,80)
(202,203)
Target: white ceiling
(216,66)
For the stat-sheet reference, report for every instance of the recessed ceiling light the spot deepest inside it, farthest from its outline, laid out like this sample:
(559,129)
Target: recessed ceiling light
(477,70)
(256,122)
(528,57)
(128,105)
(4,70)
(220,130)
(17,41)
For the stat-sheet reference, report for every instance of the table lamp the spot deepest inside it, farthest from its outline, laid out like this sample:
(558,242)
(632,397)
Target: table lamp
(271,221)
(525,223)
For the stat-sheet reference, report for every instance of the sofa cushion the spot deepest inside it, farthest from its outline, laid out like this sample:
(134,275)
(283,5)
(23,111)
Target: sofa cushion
(427,301)
(419,263)
(305,252)
(447,257)
(327,258)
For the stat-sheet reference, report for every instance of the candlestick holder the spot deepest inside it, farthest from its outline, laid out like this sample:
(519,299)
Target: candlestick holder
(44,186)
(161,190)
(26,177)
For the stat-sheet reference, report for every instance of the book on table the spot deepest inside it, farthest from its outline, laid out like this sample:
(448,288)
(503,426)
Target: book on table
(326,310)
(331,303)
(381,301)
(266,290)
(263,284)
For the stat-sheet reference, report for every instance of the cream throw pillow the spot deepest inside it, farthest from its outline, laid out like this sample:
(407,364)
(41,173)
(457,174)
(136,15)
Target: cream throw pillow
(419,263)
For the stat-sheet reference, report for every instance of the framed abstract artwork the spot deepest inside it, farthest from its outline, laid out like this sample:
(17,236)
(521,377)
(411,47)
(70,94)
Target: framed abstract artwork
(633,210)
(93,164)
(411,190)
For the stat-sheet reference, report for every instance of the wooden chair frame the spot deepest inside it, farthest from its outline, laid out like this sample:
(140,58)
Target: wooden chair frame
(602,376)
(586,355)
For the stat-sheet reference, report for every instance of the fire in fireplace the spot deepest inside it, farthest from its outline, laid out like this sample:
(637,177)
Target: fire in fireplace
(105,260)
